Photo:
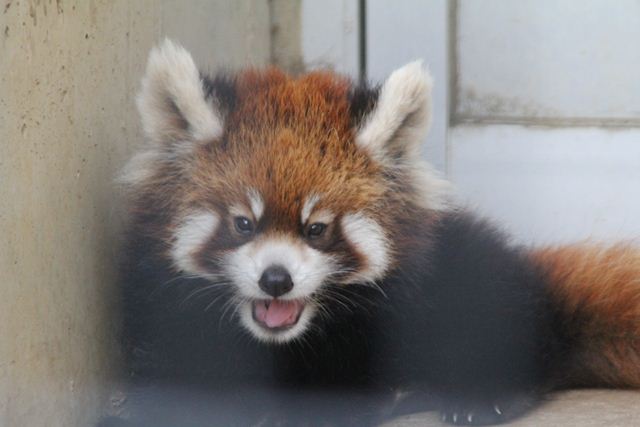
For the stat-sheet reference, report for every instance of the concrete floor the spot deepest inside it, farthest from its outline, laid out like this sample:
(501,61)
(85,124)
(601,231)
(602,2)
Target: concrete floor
(579,408)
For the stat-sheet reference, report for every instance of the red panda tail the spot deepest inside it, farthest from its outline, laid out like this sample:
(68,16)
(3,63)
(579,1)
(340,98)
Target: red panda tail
(597,290)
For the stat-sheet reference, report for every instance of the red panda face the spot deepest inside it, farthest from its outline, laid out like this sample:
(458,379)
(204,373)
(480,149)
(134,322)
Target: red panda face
(277,186)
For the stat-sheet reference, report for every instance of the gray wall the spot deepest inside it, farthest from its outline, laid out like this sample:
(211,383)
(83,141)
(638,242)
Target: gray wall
(68,75)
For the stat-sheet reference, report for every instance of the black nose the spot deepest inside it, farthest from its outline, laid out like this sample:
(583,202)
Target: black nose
(276,281)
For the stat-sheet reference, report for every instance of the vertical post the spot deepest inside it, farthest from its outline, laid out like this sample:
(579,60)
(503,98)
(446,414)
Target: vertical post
(286,34)
(362,40)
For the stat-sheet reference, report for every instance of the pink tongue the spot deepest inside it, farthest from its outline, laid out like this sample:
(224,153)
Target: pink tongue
(279,313)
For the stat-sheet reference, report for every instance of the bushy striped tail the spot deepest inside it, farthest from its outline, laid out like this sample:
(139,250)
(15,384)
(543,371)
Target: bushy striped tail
(597,291)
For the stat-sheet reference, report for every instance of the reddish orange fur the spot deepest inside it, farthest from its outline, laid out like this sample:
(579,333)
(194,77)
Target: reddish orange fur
(283,137)
(598,290)
(288,139)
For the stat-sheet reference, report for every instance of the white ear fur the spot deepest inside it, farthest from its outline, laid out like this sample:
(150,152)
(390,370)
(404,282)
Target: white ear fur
(402,115)
(172,102)
(393,132)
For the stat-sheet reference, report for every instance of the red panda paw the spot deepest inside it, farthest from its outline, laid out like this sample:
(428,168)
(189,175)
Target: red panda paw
(483,412)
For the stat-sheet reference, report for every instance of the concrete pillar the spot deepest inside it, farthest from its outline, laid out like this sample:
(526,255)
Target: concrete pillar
(286,33)
(69,72)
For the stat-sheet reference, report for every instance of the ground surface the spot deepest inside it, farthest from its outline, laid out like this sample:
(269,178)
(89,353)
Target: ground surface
(579,408)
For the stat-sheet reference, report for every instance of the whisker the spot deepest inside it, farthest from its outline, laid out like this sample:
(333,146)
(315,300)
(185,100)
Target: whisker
(211,287)
(213,302)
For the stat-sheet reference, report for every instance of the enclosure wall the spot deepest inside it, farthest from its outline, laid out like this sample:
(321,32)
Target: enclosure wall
(69,72)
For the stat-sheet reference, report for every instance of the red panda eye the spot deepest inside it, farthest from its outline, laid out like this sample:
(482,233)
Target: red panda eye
(243,225)
(316,230)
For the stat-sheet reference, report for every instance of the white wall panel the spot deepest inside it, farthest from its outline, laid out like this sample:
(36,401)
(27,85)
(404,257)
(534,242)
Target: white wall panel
(555,59)
(551,184)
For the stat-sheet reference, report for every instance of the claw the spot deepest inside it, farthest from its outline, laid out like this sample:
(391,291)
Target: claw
(497,409)
(443,417)
(455,417)
(470,417)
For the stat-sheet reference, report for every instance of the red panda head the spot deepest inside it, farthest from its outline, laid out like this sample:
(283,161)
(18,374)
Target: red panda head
(276,185)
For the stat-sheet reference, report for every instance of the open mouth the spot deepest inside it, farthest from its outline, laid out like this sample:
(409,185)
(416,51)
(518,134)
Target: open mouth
(277,315)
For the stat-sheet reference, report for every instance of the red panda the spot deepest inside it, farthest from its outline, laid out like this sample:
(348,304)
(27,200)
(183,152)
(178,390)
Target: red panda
(285,236)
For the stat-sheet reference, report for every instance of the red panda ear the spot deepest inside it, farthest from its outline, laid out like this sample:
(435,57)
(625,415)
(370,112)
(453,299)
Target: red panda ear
(396,126)
(173,103)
